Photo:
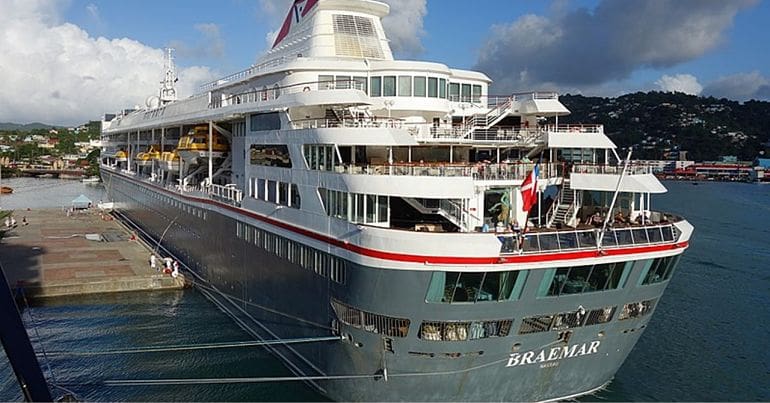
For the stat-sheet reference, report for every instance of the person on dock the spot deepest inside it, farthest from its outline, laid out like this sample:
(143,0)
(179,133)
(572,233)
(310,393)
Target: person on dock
(175,272)
(167,262)
(13,222)
(24,221)
(7,222)
(153,262)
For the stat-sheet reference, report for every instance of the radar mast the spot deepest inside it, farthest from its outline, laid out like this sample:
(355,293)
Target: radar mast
(167,86)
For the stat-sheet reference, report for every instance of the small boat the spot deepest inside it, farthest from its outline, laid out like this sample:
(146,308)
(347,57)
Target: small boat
(145,159)
(169,161)
(6,190)
(194,147)
(91,179)
(106,206)
(121,156)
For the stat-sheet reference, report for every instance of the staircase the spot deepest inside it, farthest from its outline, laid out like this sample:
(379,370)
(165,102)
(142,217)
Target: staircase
(491,118)
(563,211)
(448,209)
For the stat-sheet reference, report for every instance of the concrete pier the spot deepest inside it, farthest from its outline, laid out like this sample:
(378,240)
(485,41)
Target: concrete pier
(59,253)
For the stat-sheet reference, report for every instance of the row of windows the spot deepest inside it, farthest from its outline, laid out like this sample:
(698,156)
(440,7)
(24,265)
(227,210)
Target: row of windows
(355,207)
(566,320)
(463,287)
(281,193)
(370,322)
(265,121)
(582,279)
(309,258)
(320,156)
(461,331)
(274,155)
(404,86)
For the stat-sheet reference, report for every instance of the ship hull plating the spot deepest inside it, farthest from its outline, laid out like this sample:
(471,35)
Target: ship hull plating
(275,298)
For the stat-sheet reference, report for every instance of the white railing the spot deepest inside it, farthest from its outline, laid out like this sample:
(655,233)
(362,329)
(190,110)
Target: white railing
(228,193)
(478,171)
(633,169)
(266,94)
(259,68)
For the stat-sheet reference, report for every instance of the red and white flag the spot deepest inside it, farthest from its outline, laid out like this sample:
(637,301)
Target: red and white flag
(529,190)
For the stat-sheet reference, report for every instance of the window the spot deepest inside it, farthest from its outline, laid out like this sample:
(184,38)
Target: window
(659,270)
(276,155)
(466,93)
(265,121)
(476,94)
(370,322)
(458,287)
(295,198)
(461,331)
(442,88)
(359,83)
(321,156)
(636,309)
(419,86)
(389,86)
(405,86)
(582,279)
(343,82)
(376,86)
(432,87)
(271,191)
(454,92)
(325,82)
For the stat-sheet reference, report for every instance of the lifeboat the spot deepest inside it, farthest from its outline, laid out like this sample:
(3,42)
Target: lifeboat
(169,161)
(193,148)
(121,156)
(144,159)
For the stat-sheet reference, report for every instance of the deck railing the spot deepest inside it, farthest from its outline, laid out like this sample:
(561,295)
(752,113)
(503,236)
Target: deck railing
(537,241)
(479,171)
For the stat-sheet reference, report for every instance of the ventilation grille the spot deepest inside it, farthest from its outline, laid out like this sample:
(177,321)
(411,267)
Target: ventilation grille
(355,36)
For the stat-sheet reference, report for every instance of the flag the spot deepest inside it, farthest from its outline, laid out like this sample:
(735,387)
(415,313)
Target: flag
(529,189)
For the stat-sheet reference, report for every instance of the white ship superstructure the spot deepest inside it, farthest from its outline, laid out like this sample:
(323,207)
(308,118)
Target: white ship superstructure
(330,189)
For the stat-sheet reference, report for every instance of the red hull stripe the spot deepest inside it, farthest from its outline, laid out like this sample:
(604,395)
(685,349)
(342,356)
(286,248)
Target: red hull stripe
(422,259)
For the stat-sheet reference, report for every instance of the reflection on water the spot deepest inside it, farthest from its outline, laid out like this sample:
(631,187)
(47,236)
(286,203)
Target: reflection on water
(47,193)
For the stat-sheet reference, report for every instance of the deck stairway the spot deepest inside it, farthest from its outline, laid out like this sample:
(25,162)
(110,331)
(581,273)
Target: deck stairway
(336,117)
(450,210)
(484,121)
(563,211)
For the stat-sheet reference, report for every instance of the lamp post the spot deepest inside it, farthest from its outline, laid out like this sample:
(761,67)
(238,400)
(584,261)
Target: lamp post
(388,104)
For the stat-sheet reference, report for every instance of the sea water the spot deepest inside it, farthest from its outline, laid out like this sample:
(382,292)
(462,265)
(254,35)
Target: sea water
(706,341)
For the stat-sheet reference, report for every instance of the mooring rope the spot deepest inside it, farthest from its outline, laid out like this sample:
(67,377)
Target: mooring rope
(189,347)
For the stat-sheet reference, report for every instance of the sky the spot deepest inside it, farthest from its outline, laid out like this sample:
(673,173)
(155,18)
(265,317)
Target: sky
(66,62)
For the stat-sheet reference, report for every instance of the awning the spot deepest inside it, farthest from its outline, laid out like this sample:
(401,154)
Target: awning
(645,183)
(81,202)
(579,140)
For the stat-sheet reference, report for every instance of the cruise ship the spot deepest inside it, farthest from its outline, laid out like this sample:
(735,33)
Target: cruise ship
(424,239)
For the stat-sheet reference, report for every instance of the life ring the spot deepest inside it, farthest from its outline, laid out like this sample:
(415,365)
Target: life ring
(306,89)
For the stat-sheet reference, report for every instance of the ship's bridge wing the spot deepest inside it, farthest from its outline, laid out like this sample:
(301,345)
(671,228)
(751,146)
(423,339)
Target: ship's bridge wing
(643,183)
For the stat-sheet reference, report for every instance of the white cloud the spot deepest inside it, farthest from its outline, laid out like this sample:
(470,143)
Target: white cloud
(404,25)
(686,83)
(584,48)
(57,73)
(741,86)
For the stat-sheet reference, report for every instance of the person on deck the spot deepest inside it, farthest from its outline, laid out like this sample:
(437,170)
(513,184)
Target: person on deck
(153,262)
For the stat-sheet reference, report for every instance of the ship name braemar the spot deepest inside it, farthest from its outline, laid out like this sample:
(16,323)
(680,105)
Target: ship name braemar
(553,354)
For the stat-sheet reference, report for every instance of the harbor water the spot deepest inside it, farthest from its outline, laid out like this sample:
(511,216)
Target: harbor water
(706,341)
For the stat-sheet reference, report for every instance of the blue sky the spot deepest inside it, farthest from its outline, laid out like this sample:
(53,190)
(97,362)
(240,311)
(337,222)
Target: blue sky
(594,47)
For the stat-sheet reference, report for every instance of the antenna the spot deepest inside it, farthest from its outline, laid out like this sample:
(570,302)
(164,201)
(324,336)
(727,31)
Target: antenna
(167,86)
